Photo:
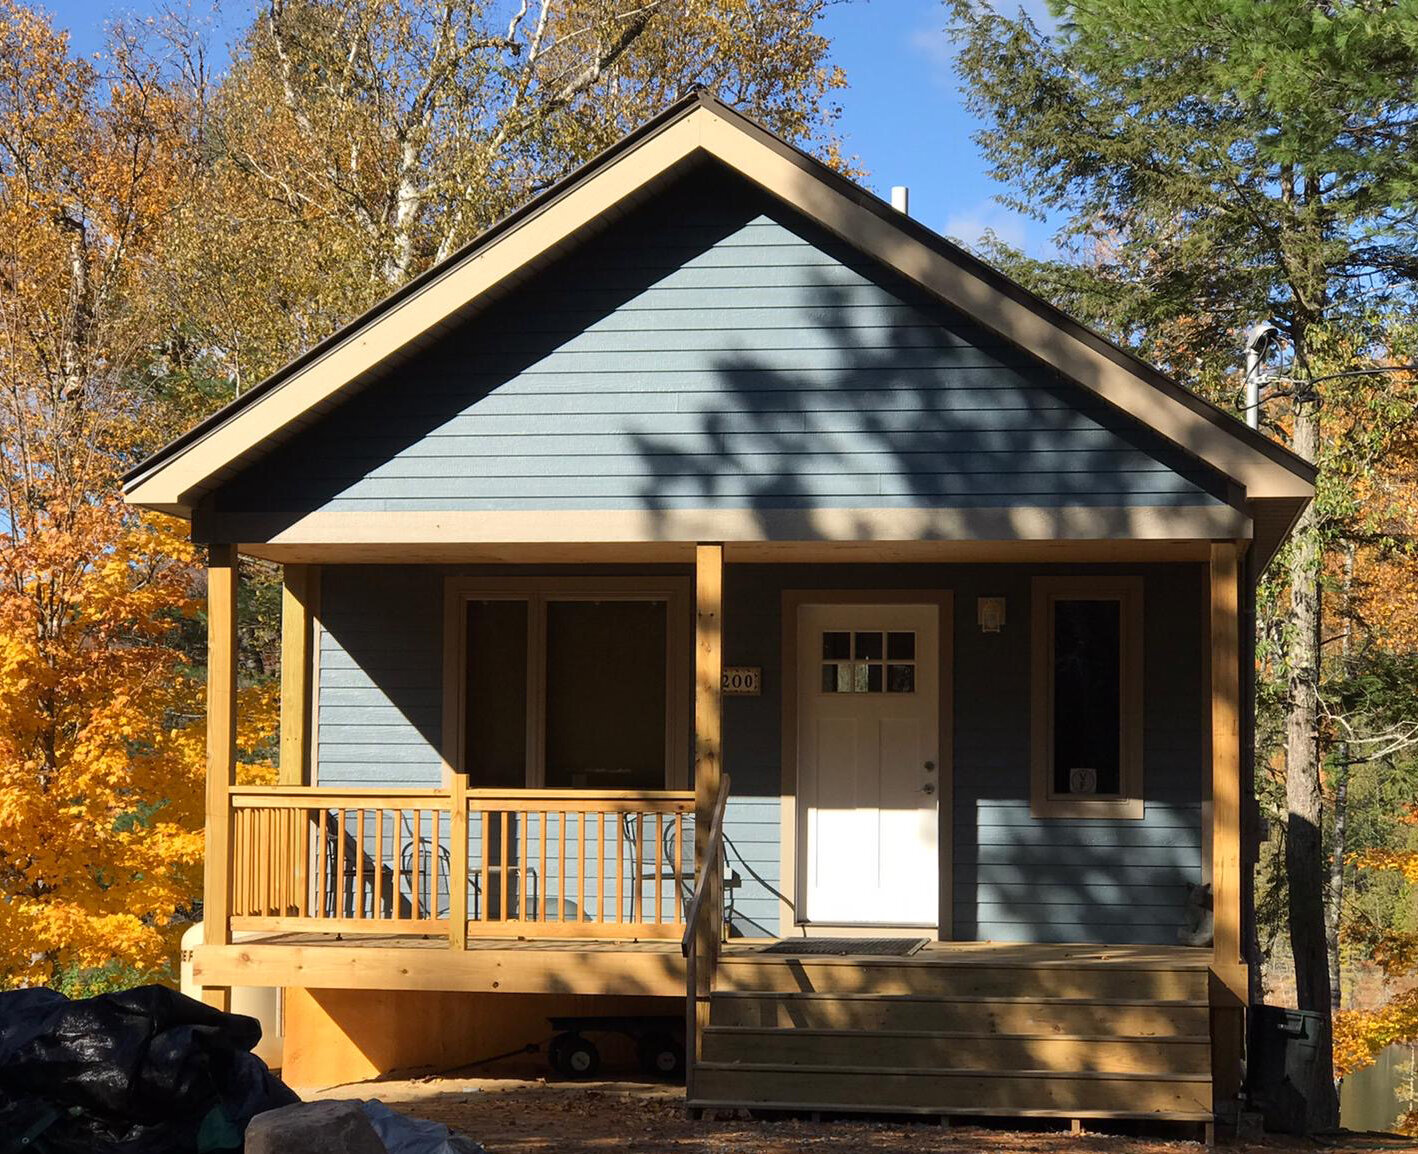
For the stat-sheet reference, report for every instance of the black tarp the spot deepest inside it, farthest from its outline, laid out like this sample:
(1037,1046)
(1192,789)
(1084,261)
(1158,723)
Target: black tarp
(145,1071)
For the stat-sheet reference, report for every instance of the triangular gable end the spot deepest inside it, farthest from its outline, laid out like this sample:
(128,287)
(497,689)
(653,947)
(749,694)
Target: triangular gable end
(177,479)
(714,356)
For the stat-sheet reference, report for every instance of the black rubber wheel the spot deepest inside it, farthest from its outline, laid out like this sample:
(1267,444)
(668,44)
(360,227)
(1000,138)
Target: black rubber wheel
(556,1052)
(579,1058)
(661,1055)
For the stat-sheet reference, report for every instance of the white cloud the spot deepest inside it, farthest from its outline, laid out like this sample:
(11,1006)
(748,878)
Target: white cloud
(932,42)
(969,225)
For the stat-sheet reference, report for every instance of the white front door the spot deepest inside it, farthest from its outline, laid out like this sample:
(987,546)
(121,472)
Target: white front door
(868,764)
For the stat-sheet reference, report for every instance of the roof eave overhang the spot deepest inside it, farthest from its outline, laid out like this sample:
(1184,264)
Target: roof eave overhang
(179,476)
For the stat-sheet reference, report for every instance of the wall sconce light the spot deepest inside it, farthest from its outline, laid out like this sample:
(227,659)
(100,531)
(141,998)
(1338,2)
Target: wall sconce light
(990,613)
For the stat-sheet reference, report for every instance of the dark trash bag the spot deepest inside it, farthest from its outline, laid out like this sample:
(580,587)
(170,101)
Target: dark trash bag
(145,1071)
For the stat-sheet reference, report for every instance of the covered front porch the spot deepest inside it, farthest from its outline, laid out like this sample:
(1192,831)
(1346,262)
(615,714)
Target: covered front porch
(557,890)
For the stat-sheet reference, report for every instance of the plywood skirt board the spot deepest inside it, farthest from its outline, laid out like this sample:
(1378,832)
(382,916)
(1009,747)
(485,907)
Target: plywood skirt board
(339,1036)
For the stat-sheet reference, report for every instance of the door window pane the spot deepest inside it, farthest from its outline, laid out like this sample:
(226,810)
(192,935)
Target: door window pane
(1087,697)
(901,646)
(900,679)
(868,647)
(495,749)
(605,694)
(883,662)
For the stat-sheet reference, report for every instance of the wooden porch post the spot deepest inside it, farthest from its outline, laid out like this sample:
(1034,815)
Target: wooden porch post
(1229,985)
(221,753)
(300,588)
(708,761)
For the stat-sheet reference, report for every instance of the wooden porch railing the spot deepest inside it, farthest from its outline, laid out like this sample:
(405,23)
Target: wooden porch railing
(373,861)
(580,863)
(612,865)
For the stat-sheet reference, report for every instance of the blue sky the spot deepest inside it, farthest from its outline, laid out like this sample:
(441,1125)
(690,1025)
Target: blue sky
(902,114)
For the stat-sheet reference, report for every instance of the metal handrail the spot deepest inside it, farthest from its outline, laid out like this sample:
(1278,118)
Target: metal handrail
(711,851)
(689,944)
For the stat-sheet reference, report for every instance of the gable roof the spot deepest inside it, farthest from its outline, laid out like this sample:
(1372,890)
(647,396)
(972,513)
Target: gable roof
(179,476)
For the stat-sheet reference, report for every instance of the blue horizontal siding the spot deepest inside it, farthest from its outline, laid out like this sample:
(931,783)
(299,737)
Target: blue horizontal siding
(1013,877)
(380,676)
(712,349)
(752,837)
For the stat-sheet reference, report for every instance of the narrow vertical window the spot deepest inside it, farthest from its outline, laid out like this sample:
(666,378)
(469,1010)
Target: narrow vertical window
(1087,697)
(496,688)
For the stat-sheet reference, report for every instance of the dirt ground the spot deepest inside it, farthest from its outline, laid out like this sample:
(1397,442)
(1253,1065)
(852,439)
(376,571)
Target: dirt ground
(529,1116)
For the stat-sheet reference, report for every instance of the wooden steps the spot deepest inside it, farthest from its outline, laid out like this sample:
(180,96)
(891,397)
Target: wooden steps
(933,1035)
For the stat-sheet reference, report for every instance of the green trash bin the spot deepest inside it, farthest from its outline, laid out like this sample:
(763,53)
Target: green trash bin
(1284,1049)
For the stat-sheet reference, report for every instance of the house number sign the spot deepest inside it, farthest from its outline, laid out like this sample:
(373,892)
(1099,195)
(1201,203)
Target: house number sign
(742,680)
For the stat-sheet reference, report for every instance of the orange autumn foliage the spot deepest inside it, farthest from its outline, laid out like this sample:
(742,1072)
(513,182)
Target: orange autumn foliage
(1360,1035)
(101,714)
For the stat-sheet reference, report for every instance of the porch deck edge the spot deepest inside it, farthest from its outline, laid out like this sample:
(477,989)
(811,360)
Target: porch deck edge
(571,970)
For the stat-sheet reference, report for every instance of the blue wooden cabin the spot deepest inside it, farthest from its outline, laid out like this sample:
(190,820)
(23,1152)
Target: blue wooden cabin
(711,560)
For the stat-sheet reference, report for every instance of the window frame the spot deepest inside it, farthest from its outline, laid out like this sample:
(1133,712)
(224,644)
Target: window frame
(537,592)
(1043,801)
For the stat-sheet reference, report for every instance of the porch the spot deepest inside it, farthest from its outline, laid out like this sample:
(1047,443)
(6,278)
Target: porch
(954,1029)
(576,892)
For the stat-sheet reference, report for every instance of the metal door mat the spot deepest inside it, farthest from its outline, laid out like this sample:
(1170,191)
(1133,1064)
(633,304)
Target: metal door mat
(848,947)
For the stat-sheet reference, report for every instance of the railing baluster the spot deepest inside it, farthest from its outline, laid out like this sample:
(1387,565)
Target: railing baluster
(396,864)
(282,872)
(502,908)
(322,866)
(379,863)
(302,869)
(525,873)
(619,866)
(659,867)
(415,890)
(542,875)
(581,867)
(264,857)
(639,868)
(601,867)
(561,866)
(341,833)
(433,835)
(484,821)
(239,858)
(359,865)
(679,867)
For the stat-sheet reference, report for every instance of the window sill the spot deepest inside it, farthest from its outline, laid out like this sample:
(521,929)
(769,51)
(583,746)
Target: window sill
(1116,808)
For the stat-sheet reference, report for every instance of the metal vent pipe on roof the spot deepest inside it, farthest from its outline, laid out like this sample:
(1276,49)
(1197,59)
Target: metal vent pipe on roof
(901,199)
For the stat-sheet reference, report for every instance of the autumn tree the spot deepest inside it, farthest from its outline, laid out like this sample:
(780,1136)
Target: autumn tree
(354,144)
(101,758)
(1217,164)
(170,233)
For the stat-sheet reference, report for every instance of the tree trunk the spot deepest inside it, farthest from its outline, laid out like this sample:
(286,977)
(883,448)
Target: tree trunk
(1341,810)
(1336,882)
(1304,843)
